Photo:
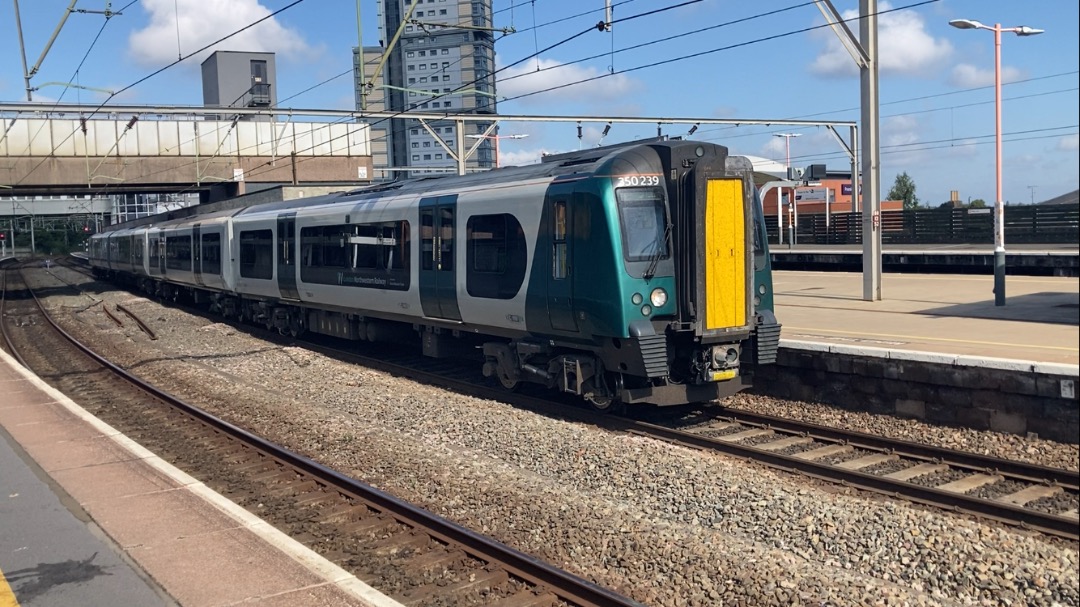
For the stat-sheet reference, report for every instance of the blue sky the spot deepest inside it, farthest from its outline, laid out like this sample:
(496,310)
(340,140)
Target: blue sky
(937,114)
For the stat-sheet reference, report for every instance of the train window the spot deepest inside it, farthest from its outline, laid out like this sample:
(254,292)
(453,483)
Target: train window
(123,249)
(496,256)
(257,254)
(211,253)
(155,253)
(560,262)
(178,252)
(372,255)
(137,250)
(644,224)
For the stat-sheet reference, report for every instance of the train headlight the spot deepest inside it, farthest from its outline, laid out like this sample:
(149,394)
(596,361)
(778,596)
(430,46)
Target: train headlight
(646,310)
(636,299)
(658,297)
(761,289)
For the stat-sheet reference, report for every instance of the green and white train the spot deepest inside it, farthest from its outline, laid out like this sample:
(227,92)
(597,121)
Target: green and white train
(636,273)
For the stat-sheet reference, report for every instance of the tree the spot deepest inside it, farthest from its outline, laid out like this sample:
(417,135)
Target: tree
(978,203)
(904,189)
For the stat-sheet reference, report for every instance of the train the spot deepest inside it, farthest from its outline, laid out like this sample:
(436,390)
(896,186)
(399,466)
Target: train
(627,274)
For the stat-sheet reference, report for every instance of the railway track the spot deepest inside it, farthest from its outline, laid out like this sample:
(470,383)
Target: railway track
(1030,496)
(1026,495)
(408,553)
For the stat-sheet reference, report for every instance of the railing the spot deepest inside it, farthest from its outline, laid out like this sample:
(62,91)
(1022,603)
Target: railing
(1024,224)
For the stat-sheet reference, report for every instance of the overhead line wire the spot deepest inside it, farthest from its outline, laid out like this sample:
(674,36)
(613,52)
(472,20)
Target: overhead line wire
(158,71)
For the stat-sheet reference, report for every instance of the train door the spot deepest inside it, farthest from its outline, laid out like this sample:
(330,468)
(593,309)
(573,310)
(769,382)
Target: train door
(560,283)
(438,268)
(286,256)
(196,254)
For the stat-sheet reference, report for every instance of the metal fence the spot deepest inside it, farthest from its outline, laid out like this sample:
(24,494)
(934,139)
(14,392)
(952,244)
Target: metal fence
(1027,224)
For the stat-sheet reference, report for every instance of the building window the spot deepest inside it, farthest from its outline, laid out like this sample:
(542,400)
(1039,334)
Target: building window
(427,156)
(435,66)
(424,79)
(446,64)
(446,77)
(415,131)
(427,144)
(446,104)
(408,28)
(416,144)
(416,156)
(422,53)
(410,54)
(442,11)
(412,67)
(423,66)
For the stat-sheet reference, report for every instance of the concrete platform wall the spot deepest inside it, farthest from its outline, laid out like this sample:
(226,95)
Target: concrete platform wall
(986,394)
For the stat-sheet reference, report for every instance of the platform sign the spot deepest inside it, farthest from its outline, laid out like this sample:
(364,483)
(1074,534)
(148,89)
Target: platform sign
(810,194)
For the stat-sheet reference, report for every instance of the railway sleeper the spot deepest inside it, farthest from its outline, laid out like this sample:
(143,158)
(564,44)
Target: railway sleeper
(474,581)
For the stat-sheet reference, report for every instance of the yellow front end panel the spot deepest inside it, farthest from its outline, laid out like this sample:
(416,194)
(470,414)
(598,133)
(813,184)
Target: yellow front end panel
(725,255)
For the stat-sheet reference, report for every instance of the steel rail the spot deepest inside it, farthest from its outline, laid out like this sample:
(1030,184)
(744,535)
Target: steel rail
(1068,479)
(1025,518)
(563,584)
(138,321)
(1030,519)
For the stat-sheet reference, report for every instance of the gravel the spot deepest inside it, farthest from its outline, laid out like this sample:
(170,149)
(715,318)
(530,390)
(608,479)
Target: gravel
(663,524)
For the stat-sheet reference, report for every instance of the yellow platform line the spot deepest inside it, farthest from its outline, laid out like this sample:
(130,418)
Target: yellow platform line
(7,597)
(943,339)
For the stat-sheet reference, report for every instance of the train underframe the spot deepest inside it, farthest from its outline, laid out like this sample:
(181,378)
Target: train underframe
(672,368)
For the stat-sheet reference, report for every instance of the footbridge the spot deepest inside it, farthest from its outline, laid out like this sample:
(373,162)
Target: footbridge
(58,148)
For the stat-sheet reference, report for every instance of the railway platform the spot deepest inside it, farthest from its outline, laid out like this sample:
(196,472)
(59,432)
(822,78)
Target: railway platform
(88,517)
(934,347)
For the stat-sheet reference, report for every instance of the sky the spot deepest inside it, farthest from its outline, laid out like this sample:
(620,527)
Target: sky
(662,58)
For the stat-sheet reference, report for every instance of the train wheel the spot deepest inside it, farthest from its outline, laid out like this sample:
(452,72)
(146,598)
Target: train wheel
(507,382)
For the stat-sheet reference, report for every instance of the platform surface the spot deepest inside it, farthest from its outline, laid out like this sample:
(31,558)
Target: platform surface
(87,517)
(949,314)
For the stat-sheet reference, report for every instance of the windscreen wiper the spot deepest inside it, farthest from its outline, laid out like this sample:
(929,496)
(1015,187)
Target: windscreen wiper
(650,271)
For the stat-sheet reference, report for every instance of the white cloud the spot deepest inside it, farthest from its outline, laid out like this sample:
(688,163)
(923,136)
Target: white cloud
(1069,142)
(204,21)
(904,46)
(524,79)
(520,157)
(966,75)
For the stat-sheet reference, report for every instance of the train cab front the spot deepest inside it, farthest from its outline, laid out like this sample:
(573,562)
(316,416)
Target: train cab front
(700,301)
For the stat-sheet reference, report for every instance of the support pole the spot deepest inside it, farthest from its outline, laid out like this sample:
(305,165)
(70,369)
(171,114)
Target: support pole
(871,158)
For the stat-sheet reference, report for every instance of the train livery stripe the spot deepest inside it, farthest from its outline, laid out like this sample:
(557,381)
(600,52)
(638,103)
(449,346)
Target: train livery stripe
(725,254)
(7,597)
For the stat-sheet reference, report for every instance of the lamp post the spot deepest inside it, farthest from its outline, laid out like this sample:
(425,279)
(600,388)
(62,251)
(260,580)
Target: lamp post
(999,204)
(497,138)
(787,146)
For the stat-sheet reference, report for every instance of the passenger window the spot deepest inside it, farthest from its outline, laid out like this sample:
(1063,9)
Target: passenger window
(559,253)
(496,256)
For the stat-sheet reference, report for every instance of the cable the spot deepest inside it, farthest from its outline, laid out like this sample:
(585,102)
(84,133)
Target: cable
(668,39)
(711,51)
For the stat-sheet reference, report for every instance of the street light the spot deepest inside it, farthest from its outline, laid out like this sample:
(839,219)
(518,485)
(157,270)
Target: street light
(999,204)
(787,145)
(497,138)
